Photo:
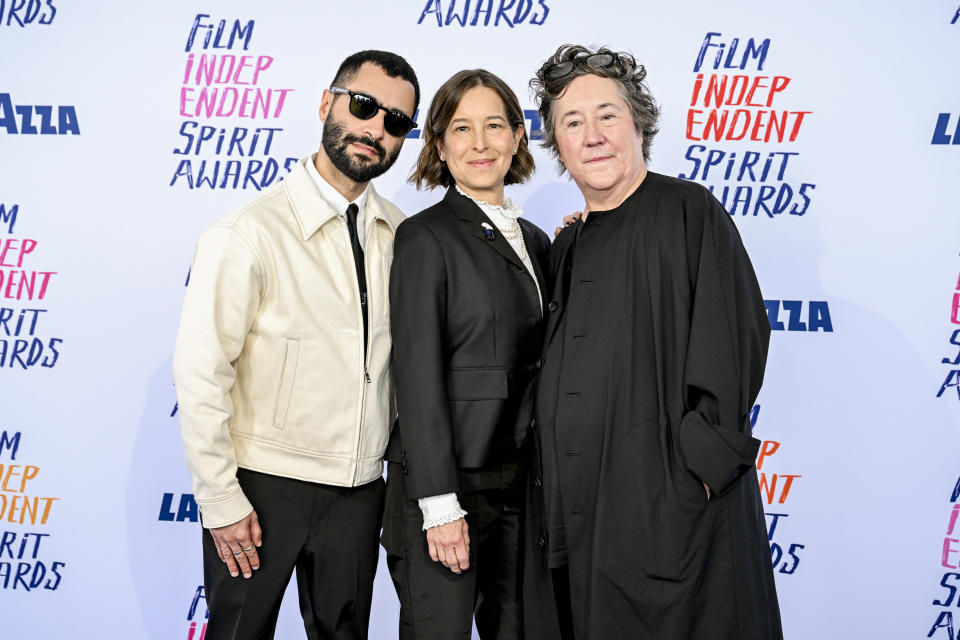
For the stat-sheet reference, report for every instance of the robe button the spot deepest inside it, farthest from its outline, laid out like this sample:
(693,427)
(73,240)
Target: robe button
(541,542)
(553,306)
(537,482)
(539,363)
(533,423)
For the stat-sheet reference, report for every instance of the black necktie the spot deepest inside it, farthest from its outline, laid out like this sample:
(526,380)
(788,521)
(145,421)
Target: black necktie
(352,210)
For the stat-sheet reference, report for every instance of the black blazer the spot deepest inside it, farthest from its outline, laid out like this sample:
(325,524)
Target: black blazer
(467,332)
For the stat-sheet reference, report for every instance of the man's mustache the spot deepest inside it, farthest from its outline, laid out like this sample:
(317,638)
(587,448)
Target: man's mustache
(370,142)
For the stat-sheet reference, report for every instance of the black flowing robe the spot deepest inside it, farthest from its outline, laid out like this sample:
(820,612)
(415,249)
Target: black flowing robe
(655,349)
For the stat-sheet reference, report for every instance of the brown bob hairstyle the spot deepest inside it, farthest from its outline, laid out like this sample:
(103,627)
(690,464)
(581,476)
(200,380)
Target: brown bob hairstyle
(433,172)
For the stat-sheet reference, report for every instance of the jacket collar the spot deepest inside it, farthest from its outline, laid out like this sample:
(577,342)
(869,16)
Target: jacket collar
(312,211)
(467,210)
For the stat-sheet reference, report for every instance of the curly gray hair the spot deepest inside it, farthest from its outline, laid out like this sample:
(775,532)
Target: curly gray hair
(572,61)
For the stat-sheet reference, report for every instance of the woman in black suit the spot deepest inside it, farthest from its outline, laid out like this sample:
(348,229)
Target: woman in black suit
(466,296)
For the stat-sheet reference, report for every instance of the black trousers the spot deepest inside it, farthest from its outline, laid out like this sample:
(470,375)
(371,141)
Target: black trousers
(435,603)
(328,534)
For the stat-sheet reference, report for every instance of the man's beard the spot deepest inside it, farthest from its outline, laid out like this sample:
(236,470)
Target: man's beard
(336,143)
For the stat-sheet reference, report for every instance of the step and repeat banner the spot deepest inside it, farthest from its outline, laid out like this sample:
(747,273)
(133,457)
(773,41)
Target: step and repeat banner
(830,131)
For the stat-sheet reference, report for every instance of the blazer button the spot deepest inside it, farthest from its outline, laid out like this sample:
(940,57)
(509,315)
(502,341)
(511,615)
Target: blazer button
(537,482)
(541,542)
(533,423)
(553,306)
(539,363)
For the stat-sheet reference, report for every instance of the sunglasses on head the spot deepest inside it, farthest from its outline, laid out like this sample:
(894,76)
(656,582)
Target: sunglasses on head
(365,107)
(597,60)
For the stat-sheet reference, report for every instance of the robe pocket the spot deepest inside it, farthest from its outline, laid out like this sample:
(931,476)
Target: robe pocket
(479,383)
(653,515)
(288,372)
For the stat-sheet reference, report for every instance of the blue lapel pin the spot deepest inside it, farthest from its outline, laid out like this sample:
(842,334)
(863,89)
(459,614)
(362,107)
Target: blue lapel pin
(487,231)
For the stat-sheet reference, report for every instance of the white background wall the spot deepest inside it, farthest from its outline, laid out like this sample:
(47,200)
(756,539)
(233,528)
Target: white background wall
(855,410)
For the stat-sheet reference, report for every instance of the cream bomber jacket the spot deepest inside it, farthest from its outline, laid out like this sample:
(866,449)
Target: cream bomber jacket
(269,363)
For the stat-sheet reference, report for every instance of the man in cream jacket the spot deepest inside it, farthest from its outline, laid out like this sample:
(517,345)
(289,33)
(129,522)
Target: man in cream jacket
(282,371)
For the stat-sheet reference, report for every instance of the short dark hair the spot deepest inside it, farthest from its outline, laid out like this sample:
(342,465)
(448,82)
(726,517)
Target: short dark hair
(392,64)
(432,172)
(624,70)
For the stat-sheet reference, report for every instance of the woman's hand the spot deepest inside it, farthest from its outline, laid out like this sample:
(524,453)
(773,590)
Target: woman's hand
(567,221)
(449,545)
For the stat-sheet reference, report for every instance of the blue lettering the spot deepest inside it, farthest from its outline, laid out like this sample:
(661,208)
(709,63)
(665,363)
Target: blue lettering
(940,130)
(67,117)
(55,570)
(773,523)
(462,19)
(432,6)
(9,216)
(523,10)
(502,13)
(26,125)
(238,30)
(485,11)
(952,380)
(188,511)
(944,621)
(799,211)
(192,612)
(31,14)
(414,133)
(773,314)
(546,10)
(819,316)
(166,515)
(10,443)
(950,588)
(536,126)
(45,127)
(704,48)
(954,340)
(754,414)
(751,51)
(67,120)
(794,307)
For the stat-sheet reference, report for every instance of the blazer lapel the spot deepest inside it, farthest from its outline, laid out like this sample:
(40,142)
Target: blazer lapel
(469,212)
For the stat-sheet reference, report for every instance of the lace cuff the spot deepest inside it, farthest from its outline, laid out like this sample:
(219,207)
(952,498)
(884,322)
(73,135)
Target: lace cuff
(438,510)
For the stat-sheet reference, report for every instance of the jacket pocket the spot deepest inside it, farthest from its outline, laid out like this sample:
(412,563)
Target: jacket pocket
(288,371)
(482,383)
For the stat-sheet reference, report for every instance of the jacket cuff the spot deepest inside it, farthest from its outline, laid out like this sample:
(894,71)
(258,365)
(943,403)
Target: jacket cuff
(716,455)
(220,512)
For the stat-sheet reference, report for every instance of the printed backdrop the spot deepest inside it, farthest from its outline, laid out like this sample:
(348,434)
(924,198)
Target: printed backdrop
(831,132)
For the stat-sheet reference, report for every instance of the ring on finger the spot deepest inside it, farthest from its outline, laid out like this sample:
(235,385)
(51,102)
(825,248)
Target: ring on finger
(237,553)
(248,549)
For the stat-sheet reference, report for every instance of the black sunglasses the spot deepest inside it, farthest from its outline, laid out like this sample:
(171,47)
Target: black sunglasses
(598,60)
(365,107)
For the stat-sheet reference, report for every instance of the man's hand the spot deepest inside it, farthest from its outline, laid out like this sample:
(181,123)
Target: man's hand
(236,544)
(567,221)
(449,545)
